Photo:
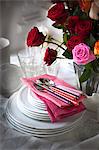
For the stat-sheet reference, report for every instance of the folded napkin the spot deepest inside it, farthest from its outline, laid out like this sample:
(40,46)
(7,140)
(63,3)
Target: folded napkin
(56,109)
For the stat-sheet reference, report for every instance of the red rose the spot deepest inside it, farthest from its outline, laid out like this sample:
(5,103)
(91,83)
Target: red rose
(56,11)
(61,20)
(72,22)
(35,38)
(83,28)
(73,41)
(50,56)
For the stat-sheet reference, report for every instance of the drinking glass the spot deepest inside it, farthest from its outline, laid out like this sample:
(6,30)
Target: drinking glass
(31,62)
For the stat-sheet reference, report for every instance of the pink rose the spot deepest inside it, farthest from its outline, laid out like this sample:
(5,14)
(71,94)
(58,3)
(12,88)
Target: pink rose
(82,54)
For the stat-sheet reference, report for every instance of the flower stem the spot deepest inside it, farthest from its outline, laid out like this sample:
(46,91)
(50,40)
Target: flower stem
(55,40)
(56,44)
(60,58)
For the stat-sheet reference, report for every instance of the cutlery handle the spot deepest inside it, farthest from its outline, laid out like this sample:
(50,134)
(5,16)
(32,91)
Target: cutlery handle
(70,90)
(71,98)
(59,96)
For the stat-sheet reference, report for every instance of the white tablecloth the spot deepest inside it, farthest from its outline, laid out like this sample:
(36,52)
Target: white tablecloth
(83,137)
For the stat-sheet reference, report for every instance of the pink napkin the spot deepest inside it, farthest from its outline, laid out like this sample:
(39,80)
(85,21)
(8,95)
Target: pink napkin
(56,108)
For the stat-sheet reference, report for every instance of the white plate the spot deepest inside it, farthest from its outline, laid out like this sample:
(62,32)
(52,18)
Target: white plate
(22,102)
(39,132)
(25,131)
(38,106)
(34,100)
(10,76)
(36,134)
(15,122)
(35,103)
(66,124)
(34,115)
(26,112)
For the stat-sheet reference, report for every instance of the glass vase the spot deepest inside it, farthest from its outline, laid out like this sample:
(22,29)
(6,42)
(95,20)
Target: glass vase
(91,85)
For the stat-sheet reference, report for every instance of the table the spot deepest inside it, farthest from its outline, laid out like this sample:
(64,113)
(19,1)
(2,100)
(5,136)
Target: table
(83,137)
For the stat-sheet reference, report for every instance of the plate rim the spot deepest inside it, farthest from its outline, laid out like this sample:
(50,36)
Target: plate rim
(40,128)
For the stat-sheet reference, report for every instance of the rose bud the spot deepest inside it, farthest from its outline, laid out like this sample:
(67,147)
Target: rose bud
(50,56)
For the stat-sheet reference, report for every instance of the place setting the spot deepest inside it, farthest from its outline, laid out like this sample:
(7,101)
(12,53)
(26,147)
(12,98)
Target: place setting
(40,129)
(27,117)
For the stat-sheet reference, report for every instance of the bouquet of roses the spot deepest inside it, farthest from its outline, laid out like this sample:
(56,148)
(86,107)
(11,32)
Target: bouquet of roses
(78,21)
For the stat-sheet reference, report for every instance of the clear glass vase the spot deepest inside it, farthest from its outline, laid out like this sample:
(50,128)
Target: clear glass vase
(91,85)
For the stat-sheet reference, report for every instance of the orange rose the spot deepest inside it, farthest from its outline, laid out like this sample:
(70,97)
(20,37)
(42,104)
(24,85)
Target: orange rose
(96,48)
(85,5)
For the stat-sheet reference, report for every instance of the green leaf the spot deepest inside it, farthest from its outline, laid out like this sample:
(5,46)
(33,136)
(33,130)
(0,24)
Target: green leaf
(65,38)
(85,75)
(91,40)
(77,11)
(84,16)
(50,38)
(67,54)
(58,26)
(95,31)
(95,65)
(88,66)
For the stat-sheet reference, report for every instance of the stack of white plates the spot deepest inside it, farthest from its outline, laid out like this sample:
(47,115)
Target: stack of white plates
(28,117)
(31,107)
(35,102)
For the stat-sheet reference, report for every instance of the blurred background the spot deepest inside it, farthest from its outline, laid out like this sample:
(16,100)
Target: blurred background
(18,16)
